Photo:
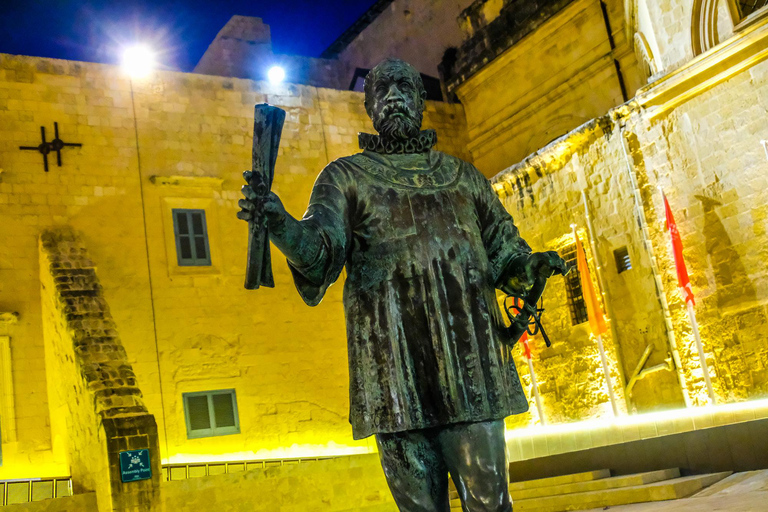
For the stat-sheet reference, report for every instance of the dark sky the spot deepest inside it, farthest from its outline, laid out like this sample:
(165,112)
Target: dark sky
(180,30)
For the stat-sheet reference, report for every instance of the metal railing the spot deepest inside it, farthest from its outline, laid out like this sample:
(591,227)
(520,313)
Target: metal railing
(34,489)
(26,490)
(199,469)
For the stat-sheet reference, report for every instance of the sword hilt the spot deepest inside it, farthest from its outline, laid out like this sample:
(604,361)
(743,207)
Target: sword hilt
(526,309)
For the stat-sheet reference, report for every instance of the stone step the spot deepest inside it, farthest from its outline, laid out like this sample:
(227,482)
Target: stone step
(598,485)
(658,491)
(552,481)
(560,480)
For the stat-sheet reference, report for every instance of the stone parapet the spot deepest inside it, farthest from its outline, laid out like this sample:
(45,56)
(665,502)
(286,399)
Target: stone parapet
(488,38)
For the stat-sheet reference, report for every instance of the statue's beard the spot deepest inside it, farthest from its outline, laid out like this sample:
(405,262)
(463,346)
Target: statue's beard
(398,122)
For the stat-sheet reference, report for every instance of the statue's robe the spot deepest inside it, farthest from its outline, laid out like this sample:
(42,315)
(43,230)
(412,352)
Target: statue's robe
(424,252)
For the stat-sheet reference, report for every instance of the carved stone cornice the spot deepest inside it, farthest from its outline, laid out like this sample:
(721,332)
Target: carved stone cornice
(187,181)
(8,318)
(742,51)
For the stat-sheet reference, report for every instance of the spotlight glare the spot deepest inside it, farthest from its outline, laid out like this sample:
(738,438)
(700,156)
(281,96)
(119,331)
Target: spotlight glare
(276,74)
(138,61)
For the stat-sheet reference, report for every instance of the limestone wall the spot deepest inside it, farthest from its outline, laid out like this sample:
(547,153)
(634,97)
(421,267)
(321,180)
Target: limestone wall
(343,484)
(96,404)
(707,156)
(243,49)
(417,32)
(77,503)
(527,78)
(184,329)
(669,22)
(96,191)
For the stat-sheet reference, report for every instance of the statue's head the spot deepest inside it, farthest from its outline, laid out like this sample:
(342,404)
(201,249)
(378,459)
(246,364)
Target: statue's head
(394,99)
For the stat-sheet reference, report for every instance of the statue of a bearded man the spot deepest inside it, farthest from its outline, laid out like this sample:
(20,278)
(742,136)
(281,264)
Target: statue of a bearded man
(425,242)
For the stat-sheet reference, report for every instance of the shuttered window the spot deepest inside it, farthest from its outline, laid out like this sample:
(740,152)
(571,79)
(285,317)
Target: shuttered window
(573,289)
(191,237)
(623,263)
(211,413)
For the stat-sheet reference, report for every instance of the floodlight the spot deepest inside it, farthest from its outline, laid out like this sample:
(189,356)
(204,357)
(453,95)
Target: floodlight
(138,61)
(276,74)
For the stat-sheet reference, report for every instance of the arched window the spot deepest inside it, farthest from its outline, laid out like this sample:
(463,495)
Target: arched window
(749,7)
(714,21)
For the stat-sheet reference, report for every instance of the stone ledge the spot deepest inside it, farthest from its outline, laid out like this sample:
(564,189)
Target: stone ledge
(9,318)
(187,181)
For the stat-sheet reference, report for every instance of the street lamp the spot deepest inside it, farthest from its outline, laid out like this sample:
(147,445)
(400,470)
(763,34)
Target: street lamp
(276,74)
(138,61)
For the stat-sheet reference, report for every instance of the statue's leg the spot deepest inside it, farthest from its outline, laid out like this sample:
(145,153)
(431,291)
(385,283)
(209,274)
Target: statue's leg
(476,456)
(415,471)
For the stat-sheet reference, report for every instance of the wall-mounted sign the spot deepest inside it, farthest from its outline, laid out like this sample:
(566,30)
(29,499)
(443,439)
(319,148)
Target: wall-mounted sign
(134,465)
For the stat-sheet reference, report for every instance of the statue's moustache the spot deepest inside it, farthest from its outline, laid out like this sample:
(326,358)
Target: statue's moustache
(395,108)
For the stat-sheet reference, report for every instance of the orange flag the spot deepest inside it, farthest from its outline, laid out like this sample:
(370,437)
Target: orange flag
(594,310)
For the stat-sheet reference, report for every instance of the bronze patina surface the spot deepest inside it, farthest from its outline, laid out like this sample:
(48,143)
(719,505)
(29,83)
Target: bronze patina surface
(425,242)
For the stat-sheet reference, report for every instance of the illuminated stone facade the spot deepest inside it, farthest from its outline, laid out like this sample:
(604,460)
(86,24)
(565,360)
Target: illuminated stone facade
(175,141)
(696,134)
(181,141)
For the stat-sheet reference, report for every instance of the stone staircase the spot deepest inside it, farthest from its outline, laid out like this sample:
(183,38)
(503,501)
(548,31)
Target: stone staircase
(598,489)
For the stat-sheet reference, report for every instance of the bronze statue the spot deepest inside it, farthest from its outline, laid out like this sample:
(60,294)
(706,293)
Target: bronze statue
(425,242)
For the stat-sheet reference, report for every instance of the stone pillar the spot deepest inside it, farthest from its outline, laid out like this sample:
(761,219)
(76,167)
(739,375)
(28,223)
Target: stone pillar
(97,410)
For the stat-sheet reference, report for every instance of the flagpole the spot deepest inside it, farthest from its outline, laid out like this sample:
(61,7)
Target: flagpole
(604,362)
(660,291)
(685,284)
(534,383)
(601,349)
(700,348)
(601,284)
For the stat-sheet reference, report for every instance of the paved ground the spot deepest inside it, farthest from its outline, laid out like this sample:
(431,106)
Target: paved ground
(741,492)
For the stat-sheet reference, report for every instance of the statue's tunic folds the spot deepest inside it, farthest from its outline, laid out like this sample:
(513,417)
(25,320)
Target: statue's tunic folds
(424,251)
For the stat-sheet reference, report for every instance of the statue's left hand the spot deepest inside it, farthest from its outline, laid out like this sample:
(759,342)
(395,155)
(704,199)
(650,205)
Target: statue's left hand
(544,264)
(529,268)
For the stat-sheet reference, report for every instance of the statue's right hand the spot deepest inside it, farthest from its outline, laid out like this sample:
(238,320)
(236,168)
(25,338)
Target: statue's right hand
(259,204)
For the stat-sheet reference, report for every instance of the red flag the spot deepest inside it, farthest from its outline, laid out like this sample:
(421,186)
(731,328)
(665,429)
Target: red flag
(677,247)
(594,310)
(526,347)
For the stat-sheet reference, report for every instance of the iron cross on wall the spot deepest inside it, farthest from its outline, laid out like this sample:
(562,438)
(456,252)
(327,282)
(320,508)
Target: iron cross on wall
(55,145)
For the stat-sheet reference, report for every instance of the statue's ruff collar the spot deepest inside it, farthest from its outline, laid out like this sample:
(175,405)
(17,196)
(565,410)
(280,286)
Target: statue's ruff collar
(440,171)
(422,143)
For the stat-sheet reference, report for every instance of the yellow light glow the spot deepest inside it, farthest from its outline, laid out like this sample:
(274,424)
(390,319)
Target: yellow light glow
(303,451)
(138,61)
(716,411)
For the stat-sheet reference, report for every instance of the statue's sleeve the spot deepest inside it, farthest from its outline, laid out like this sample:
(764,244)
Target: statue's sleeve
(327,213)
(501,238)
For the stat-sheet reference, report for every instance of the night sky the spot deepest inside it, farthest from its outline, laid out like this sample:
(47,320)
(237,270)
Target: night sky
(180,30)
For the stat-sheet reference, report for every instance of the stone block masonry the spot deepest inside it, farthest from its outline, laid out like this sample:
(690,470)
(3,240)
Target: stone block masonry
(706,156)
(77,503)
(177,140)
(344,484)
(99,408)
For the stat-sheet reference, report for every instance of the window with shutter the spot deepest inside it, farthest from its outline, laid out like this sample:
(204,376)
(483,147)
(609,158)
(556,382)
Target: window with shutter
(191,237)
(573,290)
(211,413)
